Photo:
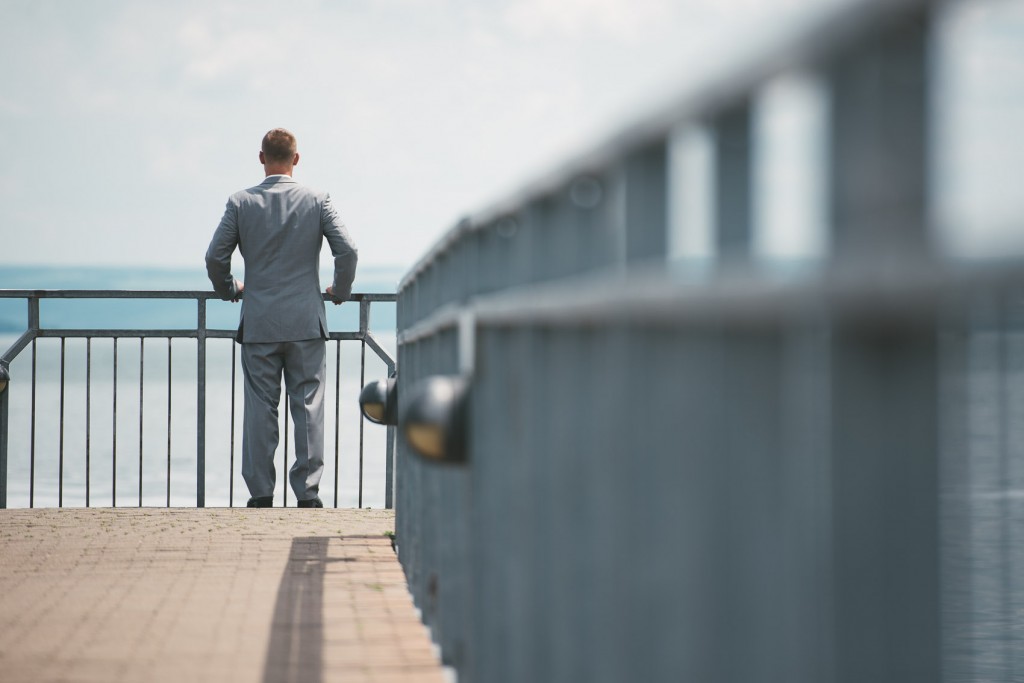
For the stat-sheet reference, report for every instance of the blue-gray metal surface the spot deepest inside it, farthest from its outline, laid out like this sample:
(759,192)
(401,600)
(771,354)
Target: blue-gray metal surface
(113,434)
(739,478)
(201,411)
(88,420)
(201,333)
(4,427)
(733,210)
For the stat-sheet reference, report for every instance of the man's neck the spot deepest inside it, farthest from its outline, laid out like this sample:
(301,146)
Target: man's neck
(278,170)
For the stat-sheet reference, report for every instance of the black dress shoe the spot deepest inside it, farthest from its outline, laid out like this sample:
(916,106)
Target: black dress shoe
(260,502)
(312,503)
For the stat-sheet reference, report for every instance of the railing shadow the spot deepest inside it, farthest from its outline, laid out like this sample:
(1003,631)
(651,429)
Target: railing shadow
(295,649)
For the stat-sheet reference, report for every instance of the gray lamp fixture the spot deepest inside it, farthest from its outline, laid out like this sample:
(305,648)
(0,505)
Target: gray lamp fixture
(433,419)
(378,402)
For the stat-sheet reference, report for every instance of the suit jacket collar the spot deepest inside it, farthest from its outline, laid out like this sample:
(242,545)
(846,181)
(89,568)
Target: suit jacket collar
(274,179)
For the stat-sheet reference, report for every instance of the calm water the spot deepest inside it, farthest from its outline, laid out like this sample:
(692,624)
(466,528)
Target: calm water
(983,511)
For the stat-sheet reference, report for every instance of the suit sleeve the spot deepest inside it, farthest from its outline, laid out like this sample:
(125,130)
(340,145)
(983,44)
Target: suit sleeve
(343,249)
(218,256)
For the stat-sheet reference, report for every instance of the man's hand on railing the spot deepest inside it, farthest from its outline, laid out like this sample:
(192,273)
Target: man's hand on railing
(330,293)
(241,287)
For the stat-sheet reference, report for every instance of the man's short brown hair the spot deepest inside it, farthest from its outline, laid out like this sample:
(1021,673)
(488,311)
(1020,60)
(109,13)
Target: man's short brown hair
(279,146)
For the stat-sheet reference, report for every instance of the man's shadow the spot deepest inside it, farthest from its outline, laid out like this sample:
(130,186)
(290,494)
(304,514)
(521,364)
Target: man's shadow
(295,650)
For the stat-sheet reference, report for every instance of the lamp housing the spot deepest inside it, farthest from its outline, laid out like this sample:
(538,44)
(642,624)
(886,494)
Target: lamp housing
(433,420)
(378,401)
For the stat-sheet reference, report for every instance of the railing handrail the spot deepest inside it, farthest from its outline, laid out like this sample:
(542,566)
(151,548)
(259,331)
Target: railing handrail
(204,295)
(650,294)
(35,330)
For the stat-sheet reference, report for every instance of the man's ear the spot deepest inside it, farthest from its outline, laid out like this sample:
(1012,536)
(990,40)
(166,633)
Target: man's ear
(262,159)
(295,161)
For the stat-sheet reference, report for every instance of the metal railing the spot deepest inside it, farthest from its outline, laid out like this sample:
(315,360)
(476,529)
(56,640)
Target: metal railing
(734,477)
(199,332)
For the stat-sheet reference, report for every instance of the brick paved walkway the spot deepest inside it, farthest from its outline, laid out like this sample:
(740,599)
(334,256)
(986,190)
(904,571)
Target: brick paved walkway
(206,595)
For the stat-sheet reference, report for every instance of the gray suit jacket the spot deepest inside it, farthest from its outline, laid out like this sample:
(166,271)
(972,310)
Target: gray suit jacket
(279,227)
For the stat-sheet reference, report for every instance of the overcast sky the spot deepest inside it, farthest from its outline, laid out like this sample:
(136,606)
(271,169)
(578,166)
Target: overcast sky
(125,125)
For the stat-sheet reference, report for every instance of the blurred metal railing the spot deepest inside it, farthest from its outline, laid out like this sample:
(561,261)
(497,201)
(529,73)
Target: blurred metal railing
(201,333)
(735,478)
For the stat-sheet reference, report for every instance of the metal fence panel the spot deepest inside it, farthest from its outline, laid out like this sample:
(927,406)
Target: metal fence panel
(66,369)
(739,477)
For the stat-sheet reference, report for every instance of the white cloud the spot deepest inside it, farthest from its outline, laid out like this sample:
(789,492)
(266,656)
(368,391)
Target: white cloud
(620,20)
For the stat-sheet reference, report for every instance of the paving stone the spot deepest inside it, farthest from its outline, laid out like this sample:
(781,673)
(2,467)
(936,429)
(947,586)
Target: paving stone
(145,594)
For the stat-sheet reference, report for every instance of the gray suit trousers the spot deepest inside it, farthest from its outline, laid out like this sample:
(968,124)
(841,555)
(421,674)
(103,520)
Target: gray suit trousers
(303,364)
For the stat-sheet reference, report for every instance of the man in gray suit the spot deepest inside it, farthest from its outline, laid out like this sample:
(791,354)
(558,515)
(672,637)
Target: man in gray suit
(279,227)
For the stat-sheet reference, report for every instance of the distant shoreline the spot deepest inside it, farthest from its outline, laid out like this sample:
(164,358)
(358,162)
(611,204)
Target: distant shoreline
(87,313)
(370,278)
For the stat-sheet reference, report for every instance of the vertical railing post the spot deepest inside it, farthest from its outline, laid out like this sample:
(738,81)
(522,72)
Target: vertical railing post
(33,315)
(389,471)
(364,316)
(364,326)
(113,432)
(60,448)
(33,327)
(884,375)
(231,473)
(878,148)
(88,418)
(4,425)
(201,406)
(362,383)
(142,395)
(733,191)
(169,404)
(337,412)
(646,203)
